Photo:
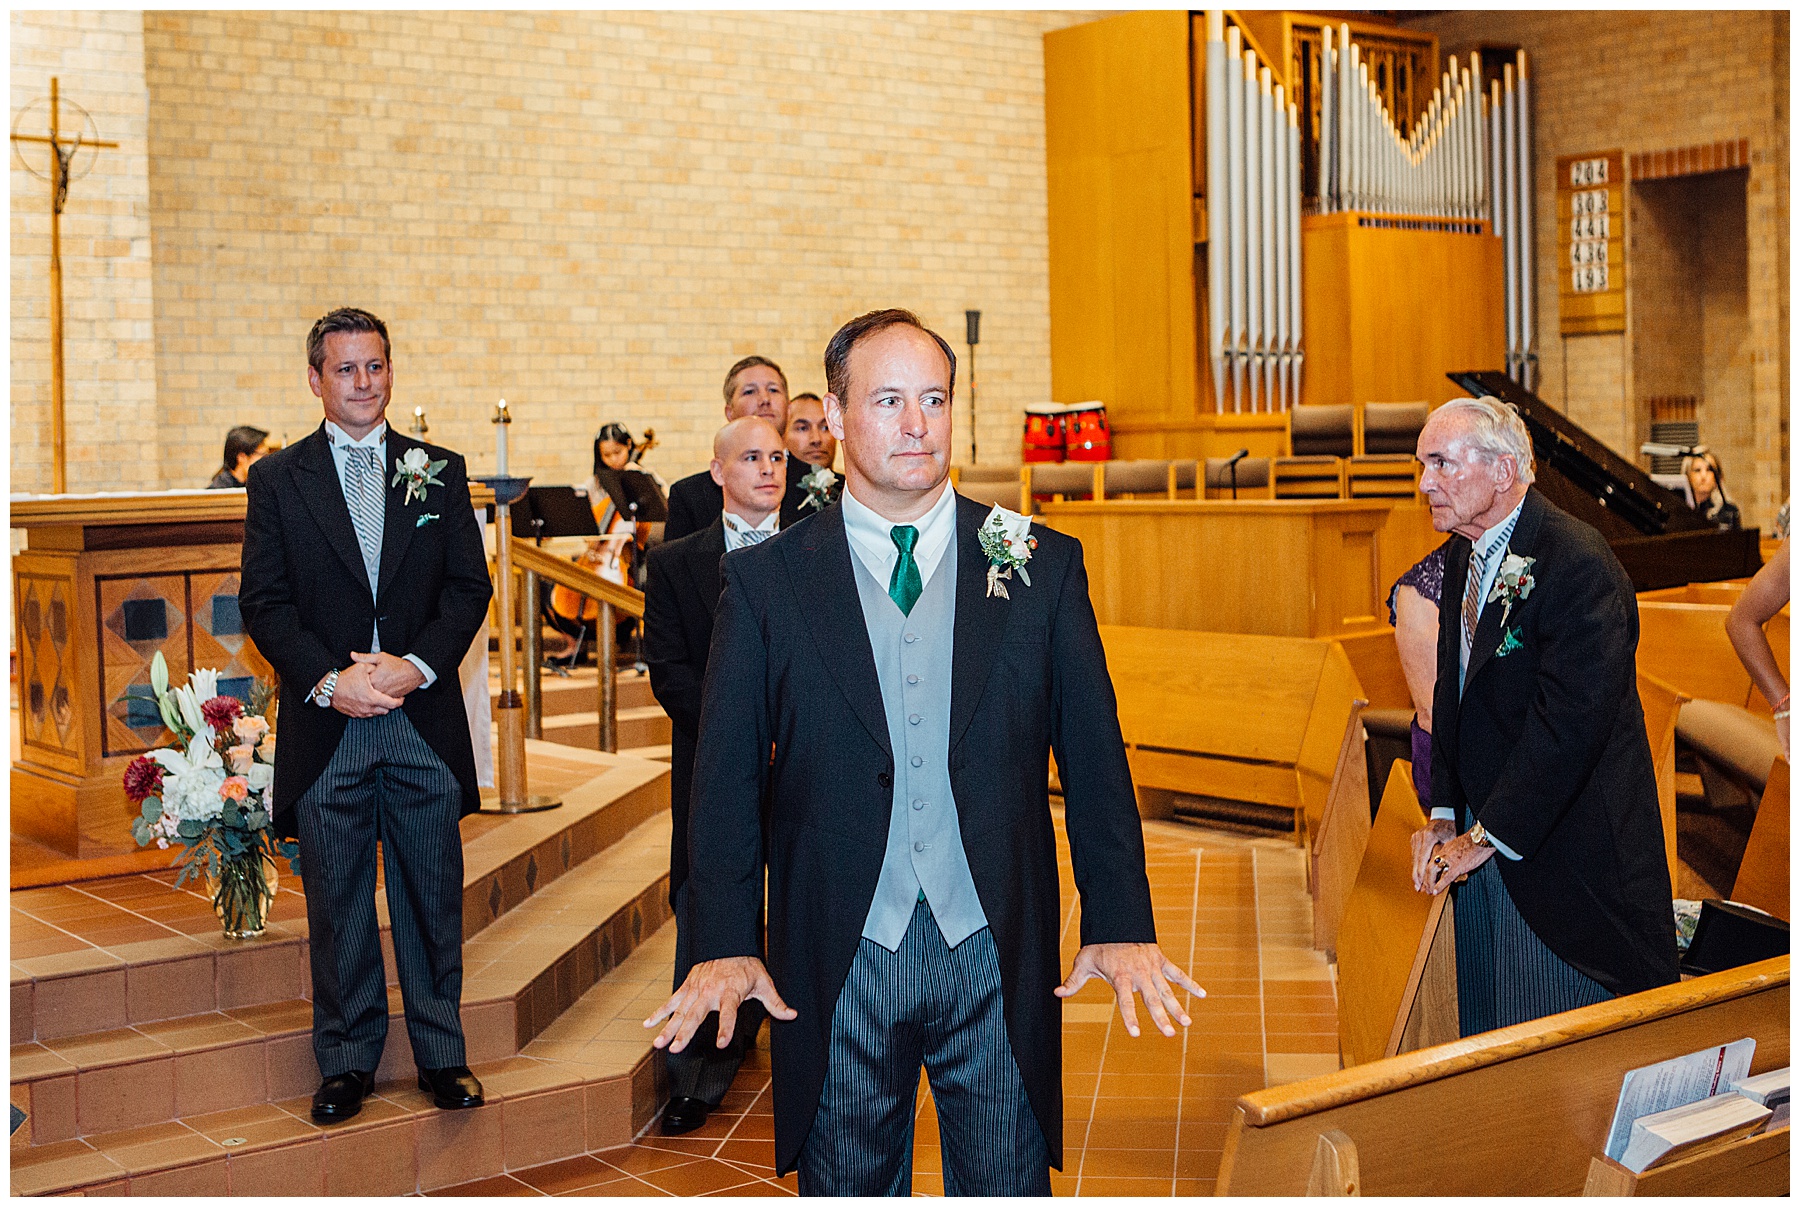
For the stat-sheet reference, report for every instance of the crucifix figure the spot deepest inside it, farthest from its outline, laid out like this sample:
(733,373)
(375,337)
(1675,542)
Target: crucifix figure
(62,154)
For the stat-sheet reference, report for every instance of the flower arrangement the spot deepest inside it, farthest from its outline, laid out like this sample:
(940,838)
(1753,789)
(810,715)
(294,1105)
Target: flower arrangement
(210,795)
(1007,541)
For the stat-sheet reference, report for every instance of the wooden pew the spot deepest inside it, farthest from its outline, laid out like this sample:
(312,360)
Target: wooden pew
(1376,660)
(1237,716)
(1662,709)
(1684,645)
(1343,833)
(1762,878)
(1527,1107)
(1396,950)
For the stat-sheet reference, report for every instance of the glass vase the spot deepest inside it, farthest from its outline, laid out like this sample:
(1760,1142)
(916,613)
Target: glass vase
(242,894)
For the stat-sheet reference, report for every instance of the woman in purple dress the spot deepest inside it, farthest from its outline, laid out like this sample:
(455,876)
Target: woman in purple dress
(1413,611)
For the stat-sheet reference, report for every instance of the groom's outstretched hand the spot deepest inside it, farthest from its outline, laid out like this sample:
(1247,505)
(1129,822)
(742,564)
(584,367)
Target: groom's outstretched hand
(1128,968)
(721,985)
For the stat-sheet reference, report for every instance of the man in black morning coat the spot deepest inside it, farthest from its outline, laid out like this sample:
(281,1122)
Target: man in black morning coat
(755,385)
(364,592)
(808,645)
(680,596)
(1539,753)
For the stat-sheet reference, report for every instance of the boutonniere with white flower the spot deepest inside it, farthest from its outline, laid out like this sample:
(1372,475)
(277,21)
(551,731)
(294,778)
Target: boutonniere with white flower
(1006,539)
(821,487)
(1513,584)
(418,471)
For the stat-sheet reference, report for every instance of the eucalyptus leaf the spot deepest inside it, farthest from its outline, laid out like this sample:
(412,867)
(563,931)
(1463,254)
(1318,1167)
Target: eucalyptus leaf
(190,828)
(152,808)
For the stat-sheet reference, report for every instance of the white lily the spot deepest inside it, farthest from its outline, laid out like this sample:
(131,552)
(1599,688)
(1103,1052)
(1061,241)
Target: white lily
(204,684)
(192,717)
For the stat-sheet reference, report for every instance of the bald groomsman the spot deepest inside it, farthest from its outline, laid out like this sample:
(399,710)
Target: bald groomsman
(680,596)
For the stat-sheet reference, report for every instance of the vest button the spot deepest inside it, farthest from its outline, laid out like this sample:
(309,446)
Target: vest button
(914,719)
(911,637)
(912,678)
(885,780)
(918,804)
(917,761)
(918,846)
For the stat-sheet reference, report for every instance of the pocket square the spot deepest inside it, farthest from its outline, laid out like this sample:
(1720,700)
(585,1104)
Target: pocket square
(1509,642)
(426,519)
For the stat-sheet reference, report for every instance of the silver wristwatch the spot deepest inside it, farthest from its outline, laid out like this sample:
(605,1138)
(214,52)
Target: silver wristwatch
(321,695)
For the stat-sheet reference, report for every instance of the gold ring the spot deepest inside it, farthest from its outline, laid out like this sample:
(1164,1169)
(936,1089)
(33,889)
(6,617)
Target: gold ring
(1439,860)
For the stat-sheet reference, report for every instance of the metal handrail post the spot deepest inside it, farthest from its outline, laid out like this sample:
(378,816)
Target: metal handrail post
(534,656)
(605,656)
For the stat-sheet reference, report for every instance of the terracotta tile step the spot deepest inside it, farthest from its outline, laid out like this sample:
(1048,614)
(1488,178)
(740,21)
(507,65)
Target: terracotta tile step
(647,726)
(521,977)
(588,1090)
(580,692)
(133,951)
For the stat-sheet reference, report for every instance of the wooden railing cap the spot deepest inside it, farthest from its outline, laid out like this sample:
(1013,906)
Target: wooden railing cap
(565,573)
(1279,1103)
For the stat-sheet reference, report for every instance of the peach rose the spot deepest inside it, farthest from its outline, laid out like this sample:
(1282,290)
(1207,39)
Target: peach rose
(239,757)
(249,730)
(266,749)
(235,787)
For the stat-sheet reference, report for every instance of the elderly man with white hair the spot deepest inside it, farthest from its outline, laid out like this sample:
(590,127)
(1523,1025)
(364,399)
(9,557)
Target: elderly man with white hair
(1539,753)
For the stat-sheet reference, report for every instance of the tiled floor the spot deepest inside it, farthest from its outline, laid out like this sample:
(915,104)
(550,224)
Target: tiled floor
(1141,1117)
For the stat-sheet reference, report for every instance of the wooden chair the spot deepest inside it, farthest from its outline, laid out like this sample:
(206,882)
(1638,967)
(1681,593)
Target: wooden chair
(1309,477)
(1537,1098)
(1059,481)
(1386,476)
(1396,953)
(1235,716)
(1762,878)
(1322,431)
(1252,479)
(1390,428)
(1156,479)
(1662,710)
(988,484)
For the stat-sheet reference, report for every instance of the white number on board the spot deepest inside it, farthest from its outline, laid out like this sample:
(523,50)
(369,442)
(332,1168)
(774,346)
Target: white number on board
(1585,172)
(1590,279)
(1590,226)
(1590,202)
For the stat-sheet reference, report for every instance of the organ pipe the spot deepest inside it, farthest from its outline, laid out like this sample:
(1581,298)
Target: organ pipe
(1253,228)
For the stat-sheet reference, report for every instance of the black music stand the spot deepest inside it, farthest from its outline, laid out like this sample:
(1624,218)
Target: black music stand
(634,493)
(554,511)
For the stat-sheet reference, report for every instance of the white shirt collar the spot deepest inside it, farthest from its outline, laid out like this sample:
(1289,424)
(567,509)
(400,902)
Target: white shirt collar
(737,523)
(341,439)
(871,535)
(1491,540)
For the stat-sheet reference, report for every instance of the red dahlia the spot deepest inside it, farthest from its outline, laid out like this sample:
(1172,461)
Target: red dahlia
(221,711)
(143,779)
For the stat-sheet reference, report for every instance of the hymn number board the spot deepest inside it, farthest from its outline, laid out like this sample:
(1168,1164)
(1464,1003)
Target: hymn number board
(1590,219)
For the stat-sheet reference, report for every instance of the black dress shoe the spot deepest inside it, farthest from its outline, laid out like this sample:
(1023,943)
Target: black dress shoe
(341,1096)
(452,1089)
(683,1115)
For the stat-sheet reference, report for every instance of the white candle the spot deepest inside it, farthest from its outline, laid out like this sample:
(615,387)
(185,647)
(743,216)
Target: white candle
(501,419)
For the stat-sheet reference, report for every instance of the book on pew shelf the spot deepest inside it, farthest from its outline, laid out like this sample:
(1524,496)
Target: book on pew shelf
(1685,1130)
(1770,1089)
(1678,1082)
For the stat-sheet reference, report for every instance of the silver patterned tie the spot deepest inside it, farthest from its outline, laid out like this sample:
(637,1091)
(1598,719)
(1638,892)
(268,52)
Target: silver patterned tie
(367,503)
(1471,608)
(752,536)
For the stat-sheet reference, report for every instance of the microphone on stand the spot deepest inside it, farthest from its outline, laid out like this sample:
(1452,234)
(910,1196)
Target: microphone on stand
(1232,466)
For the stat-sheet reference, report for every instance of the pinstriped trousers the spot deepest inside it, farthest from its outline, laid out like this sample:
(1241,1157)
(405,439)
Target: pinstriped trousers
(1504,973)
(383,783)
(941,1006)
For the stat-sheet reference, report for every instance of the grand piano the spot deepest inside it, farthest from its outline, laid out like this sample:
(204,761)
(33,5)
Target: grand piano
(1659,540)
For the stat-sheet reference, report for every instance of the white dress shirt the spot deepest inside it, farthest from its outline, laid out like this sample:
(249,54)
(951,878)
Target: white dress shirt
(341,444)
(1491,545)
(872,541)
(736,526)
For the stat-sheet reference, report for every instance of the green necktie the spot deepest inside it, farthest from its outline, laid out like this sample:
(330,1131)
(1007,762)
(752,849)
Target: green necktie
(904,587)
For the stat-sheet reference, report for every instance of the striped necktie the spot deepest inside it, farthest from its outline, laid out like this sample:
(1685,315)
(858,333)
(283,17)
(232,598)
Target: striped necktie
(367,503)
(1471,608)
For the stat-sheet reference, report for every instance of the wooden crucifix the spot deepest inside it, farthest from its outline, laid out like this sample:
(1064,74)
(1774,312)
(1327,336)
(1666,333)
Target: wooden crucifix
(62,154)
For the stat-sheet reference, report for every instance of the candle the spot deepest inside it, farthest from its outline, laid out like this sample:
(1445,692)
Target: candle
(501,420)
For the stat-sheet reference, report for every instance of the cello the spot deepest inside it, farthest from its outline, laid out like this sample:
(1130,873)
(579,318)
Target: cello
(614,555)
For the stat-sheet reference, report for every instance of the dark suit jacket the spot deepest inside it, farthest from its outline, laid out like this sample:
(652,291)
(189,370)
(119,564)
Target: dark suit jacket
(681,593)
(306,602)
(1547,750)
(792,665)
(696,501)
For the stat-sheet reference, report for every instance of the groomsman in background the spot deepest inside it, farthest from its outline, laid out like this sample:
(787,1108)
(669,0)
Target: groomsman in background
(680,596)
(364,581)
(1538,750)
(808,437)
(754,386)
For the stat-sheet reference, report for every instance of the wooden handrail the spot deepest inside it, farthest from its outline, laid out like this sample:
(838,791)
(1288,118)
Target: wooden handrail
(565,573)
(1264,1107)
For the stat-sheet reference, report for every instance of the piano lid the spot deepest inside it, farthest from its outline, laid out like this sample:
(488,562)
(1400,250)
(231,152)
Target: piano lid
(1583,476)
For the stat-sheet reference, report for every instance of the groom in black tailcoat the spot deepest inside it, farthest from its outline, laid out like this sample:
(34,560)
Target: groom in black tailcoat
(913,699)
(363,583)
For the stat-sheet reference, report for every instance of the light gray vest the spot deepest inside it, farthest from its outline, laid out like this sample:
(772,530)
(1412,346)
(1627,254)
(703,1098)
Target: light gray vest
(913,656)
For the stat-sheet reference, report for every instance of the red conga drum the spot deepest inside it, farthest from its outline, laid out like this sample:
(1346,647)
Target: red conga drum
(1043,433)
(1088,436)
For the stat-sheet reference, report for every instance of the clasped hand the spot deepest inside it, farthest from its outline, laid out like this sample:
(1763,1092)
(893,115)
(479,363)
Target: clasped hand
(1441,856)
(724,985)
(374,684)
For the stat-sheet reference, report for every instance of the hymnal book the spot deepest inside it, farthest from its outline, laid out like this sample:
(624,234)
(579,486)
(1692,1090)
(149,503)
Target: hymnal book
(1673,1083)
(1770,1089)
(1661,1137)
